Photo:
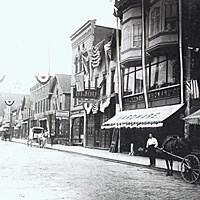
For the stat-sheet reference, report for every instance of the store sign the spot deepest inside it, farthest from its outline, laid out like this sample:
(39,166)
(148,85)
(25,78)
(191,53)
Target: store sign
(155,95)
(87,93)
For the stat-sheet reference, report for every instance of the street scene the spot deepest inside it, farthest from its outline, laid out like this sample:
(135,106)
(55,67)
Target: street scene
(35,173)
(100,100)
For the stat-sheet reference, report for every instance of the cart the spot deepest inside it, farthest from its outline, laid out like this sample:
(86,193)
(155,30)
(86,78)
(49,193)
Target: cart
(190,166)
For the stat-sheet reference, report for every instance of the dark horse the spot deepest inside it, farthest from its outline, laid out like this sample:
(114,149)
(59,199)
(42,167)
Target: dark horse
(177,146)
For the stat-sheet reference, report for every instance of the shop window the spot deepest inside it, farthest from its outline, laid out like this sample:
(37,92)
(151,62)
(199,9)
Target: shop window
(126,38)
(171,17)
(137,35)
(132,80)
(155,21)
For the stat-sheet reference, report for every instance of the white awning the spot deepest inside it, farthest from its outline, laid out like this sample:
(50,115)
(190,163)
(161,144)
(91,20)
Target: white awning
(194,118)
(141,118)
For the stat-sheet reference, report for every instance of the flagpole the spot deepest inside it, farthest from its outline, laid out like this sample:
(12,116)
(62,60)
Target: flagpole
(143,57)
(118,66)
(180,49)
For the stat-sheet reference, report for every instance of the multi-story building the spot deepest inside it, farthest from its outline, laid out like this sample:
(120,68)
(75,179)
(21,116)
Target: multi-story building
(93,84)
(51,106)
(159,57)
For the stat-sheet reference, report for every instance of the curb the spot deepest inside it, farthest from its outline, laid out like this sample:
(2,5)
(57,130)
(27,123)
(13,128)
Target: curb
(103,158)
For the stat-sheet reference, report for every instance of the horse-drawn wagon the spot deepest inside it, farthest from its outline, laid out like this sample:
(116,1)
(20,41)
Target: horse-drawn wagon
(36,134)
(180,149)
(6,133)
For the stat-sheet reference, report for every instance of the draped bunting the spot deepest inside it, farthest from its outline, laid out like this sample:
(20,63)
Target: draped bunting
(87,107)
(9,102)
(2,78)
(95,107)
(43,79)
(96,56)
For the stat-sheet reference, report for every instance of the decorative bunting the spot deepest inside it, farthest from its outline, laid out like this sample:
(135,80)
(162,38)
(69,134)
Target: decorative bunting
(2,78)
(95,107)
(96,57)
(87,107)
(43,79)
(9,103)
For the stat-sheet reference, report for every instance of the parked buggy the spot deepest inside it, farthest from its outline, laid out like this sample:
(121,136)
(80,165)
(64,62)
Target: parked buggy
(6,134)
(35,135)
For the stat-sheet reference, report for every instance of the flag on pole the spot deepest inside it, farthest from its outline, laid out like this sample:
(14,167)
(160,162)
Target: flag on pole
(2,78)
(79,81)
(23,103)
(193,88)
(85,62)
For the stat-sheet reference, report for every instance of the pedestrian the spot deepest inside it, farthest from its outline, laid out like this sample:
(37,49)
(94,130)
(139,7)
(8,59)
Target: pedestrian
(151,145)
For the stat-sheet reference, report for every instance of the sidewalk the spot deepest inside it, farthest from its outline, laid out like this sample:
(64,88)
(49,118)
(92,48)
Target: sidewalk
(106,155)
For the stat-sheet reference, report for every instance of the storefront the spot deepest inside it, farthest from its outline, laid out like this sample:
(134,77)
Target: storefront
(194,121)
(135,125)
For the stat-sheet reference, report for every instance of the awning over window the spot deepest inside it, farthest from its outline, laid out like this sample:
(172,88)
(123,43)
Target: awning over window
(141,118)
(194,118)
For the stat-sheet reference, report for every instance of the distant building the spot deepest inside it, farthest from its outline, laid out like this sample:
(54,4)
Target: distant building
(51,106)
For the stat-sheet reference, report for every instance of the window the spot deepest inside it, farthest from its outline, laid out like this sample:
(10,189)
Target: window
(126,38)
(104,85)
(155,21)
(112,81)
(170,17)
(137,35)
(132,80)
(164,72)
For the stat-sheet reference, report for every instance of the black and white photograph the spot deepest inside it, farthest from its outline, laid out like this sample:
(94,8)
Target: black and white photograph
(100,100)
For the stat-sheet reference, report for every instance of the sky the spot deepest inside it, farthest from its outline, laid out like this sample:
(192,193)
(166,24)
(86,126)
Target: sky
(35,37)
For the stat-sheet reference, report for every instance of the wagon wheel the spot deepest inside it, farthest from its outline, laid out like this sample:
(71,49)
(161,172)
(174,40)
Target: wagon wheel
(190,168)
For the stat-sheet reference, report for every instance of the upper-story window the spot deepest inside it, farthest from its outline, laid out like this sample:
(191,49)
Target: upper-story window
(164,72)
(126,38)
(171,17)
(137,35)
(132,80)
(112,81)
(155,21)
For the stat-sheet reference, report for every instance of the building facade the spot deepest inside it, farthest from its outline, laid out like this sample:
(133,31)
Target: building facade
(159,58)
(51,107)
(93,84)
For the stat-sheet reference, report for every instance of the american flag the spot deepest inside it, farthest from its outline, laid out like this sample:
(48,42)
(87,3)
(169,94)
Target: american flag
(3,77)
(96,57)
(193,87)
(95,107)
(85,62)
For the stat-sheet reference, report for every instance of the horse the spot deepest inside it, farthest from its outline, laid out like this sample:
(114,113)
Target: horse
(179,147)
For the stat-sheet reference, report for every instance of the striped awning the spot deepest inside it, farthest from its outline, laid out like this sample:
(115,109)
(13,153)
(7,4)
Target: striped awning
(141,118)
(194,118)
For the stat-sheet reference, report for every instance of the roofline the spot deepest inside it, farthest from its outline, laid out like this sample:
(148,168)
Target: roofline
(83,27)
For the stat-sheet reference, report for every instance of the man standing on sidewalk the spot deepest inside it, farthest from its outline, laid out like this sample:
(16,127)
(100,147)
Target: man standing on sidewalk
(151,145)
